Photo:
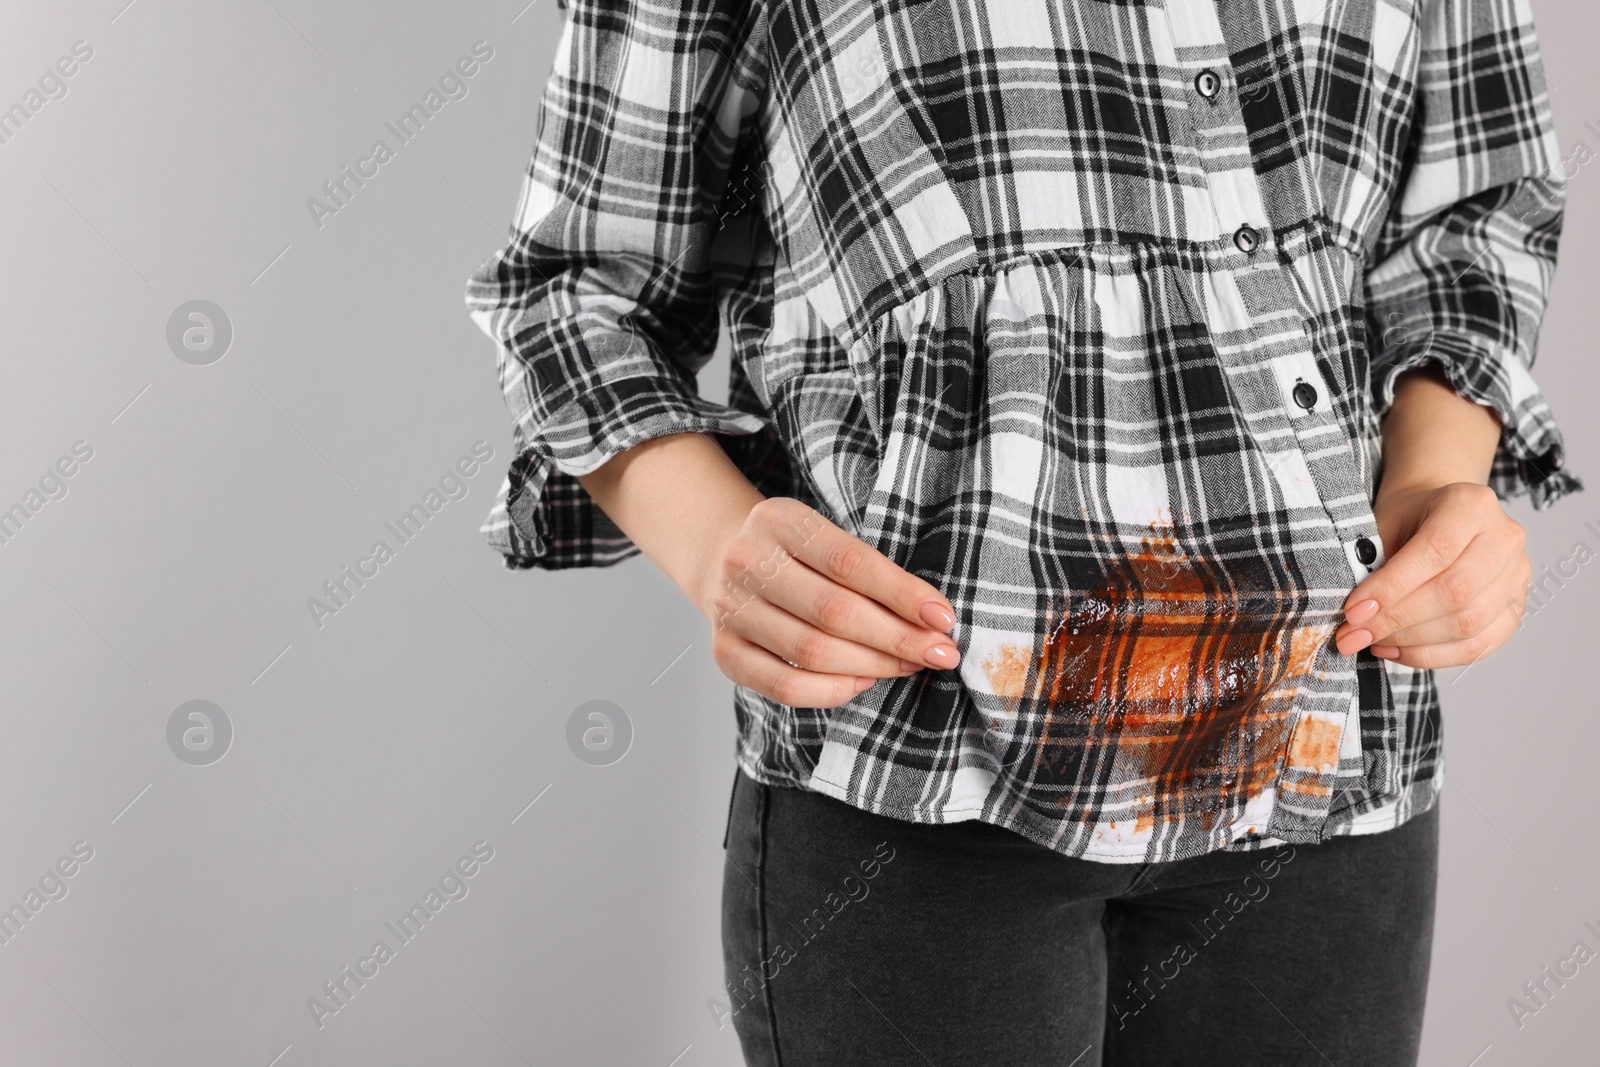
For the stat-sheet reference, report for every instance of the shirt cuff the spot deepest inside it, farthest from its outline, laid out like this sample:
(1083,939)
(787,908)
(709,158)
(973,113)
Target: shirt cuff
(544,518)
(1531,455)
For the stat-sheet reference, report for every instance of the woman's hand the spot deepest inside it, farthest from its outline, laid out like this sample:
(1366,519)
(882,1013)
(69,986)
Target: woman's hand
(801,611)
(1455,583)
(810,616)
(1456,579)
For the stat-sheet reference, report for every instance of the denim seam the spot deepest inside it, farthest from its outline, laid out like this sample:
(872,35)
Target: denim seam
(727,822)
(764,795)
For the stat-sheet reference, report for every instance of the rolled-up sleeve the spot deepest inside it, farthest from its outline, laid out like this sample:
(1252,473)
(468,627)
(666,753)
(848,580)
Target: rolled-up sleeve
(604,302)
(1461,270)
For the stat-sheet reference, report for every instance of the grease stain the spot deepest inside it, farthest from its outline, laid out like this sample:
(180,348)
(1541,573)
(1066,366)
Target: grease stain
(1169,680)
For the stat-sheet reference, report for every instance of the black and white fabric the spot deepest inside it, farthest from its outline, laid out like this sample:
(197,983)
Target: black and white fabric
(1084,311)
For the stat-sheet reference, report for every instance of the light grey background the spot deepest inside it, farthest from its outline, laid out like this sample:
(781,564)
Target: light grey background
(369,754)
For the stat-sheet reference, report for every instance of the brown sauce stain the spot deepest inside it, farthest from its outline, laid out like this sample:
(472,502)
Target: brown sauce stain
(1184,685)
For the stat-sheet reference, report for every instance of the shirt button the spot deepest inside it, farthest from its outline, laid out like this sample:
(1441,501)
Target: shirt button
(1247,239)
(1305,394)
(1366,551)
(1207,83)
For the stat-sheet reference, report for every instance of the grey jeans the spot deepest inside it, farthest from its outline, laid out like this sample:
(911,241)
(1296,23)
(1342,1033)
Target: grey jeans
(854,938)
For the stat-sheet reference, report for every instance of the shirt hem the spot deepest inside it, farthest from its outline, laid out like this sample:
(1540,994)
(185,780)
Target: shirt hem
(1370,816)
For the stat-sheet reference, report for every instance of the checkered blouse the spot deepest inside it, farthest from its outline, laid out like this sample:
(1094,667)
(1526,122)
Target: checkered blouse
(1085,312)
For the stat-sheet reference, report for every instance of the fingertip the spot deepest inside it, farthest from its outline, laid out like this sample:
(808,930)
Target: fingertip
(1362,610)
(1353,641)
(937,616)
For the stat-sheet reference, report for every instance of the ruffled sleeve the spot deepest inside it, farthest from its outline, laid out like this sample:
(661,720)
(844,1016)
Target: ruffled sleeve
(1461,269)
(604,302)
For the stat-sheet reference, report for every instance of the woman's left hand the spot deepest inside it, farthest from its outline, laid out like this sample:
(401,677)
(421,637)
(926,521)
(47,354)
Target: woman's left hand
(1455,583)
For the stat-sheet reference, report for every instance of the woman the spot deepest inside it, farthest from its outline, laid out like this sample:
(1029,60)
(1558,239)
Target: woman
(1121,400)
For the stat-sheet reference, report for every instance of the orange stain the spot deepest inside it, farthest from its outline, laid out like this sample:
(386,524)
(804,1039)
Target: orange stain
(1191,683)
(1007,669)
(1315,746)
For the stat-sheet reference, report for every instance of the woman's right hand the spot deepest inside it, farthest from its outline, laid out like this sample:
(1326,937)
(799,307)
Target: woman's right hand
(809,615)
(801,611)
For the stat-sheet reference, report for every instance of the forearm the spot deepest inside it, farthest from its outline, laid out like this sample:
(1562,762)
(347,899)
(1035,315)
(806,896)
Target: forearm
(1433,436)
(676,497)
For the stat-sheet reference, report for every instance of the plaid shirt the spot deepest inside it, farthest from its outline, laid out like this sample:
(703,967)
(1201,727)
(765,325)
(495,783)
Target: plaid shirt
(1086,313)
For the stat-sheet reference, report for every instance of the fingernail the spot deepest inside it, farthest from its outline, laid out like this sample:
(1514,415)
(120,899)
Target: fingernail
(1386,651)
(907,667)
(1354,642)
(937,617)
(942,656)
(1362,612)
(864,684)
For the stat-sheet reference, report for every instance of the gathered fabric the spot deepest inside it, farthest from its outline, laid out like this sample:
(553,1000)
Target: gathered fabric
(1085,312)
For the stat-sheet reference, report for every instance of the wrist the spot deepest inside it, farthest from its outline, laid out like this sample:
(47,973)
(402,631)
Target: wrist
(695,563)
(680,499)
(1392,490)
(1434,437)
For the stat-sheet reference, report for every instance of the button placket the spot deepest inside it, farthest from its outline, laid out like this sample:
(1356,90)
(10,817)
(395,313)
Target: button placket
(1334,471)
(1258,302)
